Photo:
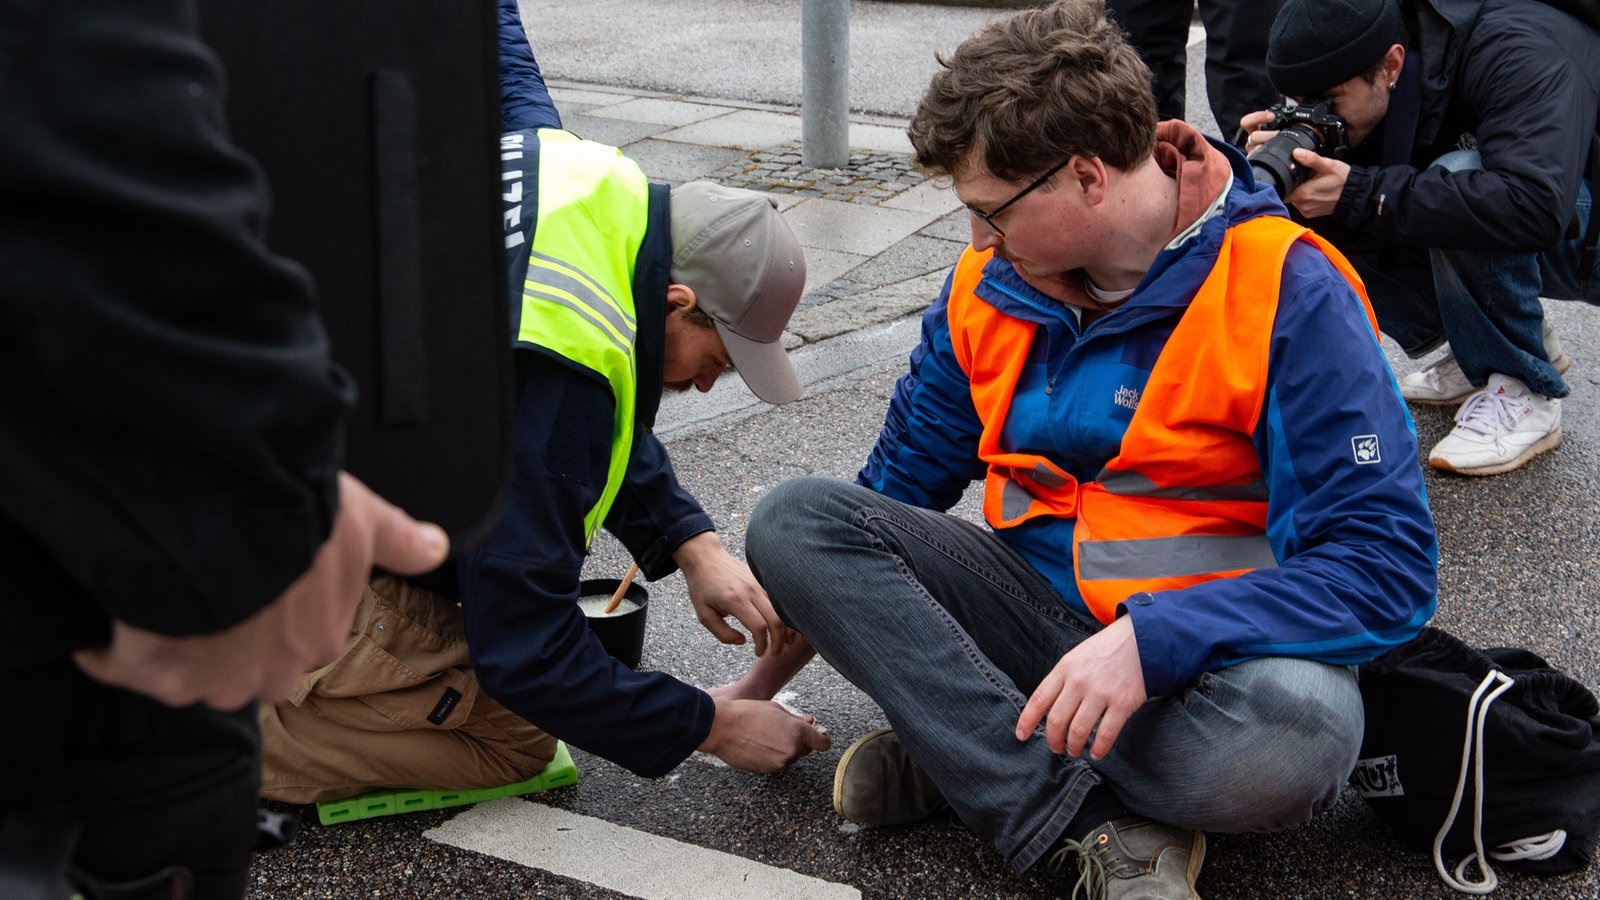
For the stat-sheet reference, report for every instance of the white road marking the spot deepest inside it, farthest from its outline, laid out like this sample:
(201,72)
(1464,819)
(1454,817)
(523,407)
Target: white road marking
(622,859)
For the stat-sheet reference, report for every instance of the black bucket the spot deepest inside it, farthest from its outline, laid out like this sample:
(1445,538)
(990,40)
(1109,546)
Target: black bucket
(621,632)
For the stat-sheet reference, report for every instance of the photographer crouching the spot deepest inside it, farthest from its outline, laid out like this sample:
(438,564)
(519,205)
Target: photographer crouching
(1444,146)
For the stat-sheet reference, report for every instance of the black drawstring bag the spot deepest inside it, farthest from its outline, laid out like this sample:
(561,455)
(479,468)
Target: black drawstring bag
(1481,755)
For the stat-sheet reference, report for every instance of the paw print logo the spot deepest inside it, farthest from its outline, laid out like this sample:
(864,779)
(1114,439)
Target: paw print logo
(1364,447)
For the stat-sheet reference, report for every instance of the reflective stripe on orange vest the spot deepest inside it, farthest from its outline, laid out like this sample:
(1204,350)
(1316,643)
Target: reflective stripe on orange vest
(1183,501)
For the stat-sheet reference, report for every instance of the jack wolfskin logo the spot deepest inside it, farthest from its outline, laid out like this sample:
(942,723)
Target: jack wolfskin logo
(1365,449)
(1377,777)
(1126,397)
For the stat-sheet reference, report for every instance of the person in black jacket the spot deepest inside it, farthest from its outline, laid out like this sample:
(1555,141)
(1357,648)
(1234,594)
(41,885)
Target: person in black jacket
(1236,54)
(178,536)
(1463,197)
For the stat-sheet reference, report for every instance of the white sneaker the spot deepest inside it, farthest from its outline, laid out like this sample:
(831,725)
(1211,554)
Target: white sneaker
(1441,382)
(1498,429)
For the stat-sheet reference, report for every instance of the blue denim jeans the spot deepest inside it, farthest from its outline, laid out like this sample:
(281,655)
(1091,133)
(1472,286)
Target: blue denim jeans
(1486,303)
(949,630)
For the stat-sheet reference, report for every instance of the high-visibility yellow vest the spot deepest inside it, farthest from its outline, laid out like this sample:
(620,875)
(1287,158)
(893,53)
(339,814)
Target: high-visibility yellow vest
(577,300)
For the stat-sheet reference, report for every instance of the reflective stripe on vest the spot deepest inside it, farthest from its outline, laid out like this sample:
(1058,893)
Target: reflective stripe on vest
(578,296)
(1184,500)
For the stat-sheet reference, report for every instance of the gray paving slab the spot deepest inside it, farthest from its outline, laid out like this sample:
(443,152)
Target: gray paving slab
(879,137)
(956,226)
(867,307)
(675,162)
(608,129)
(852,228)
(750,129)
(917,254)
(933,196)
(659,110)
(823,267)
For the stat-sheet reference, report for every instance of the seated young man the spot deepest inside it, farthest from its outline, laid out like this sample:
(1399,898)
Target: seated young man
(1200,482)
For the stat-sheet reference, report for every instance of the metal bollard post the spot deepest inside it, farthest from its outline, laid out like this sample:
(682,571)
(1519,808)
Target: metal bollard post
(825,83)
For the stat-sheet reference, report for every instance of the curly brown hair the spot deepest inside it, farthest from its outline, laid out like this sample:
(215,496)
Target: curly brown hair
(1028,91)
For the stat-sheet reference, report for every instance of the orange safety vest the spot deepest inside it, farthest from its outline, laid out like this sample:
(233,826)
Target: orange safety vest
(1183,501)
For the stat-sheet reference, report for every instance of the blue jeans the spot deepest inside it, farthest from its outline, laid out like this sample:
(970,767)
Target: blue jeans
(1486,303)
(949,629)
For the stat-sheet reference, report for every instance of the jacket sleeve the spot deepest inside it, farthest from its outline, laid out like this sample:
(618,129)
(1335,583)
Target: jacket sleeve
(1347,515)
(170,425)
(653,514)
(1534,105)
(524,100)
(927,451)
(530,643)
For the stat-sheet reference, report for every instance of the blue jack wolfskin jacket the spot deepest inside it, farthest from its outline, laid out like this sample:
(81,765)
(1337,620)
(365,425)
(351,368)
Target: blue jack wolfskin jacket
(1351,529)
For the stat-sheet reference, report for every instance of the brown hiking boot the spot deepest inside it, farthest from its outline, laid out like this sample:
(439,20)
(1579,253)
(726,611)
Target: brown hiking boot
(876,783)
(1134,859)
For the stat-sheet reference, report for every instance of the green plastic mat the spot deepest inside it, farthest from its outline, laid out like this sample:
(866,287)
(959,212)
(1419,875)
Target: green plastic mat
(558,773)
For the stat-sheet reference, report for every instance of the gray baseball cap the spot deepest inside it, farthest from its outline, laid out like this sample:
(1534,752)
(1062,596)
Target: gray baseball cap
(732,247)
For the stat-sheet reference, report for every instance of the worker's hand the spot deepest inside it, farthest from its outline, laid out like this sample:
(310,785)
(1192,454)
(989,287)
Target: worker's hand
(1099,682)
(263,657)
(721,586)
(761,736)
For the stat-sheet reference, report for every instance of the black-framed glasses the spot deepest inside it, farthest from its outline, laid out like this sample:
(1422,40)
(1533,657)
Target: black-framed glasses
(988,217)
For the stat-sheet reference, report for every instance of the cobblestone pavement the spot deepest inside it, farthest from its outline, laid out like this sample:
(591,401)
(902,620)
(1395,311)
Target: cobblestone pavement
(868,178)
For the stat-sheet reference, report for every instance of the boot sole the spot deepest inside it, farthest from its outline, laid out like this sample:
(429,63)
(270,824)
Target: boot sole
(844,763)
(1197,858)
(1545,444)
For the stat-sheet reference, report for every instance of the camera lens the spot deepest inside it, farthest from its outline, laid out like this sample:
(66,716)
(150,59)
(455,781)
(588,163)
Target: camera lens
(1274,163)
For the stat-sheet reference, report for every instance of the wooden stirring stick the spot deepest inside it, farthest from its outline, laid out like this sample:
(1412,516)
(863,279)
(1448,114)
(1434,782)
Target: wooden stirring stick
(621,589)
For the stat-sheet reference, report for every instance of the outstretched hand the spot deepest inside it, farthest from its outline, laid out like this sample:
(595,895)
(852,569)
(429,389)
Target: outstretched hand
(761,736)
(1094,689)
(264,657)
(721,586)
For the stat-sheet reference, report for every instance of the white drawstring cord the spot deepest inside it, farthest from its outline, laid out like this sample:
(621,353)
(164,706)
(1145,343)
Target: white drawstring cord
(1541,846)
(1472,744)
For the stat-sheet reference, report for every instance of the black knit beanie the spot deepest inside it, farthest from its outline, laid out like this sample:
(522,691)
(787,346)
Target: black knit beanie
(1317,44)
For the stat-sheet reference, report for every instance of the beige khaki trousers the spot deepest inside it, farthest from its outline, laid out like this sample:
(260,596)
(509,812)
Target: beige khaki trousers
(400,709)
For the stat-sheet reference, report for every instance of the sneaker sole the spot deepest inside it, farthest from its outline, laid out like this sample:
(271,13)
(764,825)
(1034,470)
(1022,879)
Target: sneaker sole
(844,763)
(1197,858)
(1562,364)
(1545,444)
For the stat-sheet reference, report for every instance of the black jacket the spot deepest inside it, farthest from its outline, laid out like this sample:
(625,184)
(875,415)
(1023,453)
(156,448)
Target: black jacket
(1517,79)
(168,409)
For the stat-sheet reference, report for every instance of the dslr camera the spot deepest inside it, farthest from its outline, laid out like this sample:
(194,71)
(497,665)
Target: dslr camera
(1312,125)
